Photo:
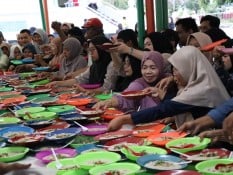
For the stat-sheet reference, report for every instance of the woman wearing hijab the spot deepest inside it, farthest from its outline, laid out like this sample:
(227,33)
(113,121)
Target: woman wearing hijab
(4,61)
(40,37)
(152,72)
(57,50)
(199,40)
(100,74)
(73,60)
(131,71)
(199,90)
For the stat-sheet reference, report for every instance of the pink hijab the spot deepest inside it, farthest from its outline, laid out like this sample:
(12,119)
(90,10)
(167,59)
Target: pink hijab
(157,58)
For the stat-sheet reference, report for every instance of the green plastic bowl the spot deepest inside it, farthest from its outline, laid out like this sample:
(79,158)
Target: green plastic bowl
(67,162)
(30,110)
(41,116)
(147,149)
(34,97)
(103,96)
(10,154)
(40,82)
(199,145)
(82,140)
(5,89)
(92,159)
(61,108)
(16,62)
(77,172)
(26,74)
(129,168)
(9,120)
(202,167)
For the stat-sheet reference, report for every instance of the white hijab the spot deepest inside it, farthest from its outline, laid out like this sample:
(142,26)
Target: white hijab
(204,88)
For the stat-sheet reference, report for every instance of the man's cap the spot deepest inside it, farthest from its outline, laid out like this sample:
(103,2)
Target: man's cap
(93,22)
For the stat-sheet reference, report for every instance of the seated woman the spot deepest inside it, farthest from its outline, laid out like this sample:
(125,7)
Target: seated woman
(45,57)
(198,40)
(152,69)
(57,51)
(4,61)
(200,90)
(100,73)
(15,54)
(73,60)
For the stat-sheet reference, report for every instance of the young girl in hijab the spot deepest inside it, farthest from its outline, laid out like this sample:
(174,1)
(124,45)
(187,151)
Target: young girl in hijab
(152,69)
(28,53)
(100,74)
(200,90)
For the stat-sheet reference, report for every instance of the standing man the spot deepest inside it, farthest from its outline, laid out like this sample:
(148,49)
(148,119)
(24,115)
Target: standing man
(93,27)
(208,22)
(185,27)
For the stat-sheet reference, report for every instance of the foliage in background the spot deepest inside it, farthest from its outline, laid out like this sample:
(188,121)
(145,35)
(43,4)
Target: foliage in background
(209,6)
(121,4)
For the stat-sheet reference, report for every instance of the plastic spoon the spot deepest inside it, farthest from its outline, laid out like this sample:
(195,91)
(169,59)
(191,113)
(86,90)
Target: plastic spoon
(81,126)
(29,115)
(58,163)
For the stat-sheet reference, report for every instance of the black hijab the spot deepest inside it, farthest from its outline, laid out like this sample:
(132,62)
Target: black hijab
(123,82)
(98,68)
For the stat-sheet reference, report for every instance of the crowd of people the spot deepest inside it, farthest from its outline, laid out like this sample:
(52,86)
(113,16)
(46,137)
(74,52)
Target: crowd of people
(188,86)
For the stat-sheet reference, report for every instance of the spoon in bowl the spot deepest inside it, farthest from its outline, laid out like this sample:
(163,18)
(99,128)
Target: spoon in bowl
(58,163)
(81,126)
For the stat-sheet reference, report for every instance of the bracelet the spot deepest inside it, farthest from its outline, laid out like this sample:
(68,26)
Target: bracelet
(131,51)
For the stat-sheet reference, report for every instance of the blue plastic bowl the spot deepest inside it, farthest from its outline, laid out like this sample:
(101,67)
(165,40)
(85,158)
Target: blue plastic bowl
(63,134)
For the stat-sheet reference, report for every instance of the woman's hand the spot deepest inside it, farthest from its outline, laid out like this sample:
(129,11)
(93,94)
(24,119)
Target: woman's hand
(68,76)
(7,167)
(52,84)
(214,135)
(167,120)
(117,122)
(102,105)
(198,125)
(122,48)
(228,128)
(164,83)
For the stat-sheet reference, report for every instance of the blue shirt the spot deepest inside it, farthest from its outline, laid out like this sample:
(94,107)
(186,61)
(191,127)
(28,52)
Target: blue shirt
(221,112)
(167,108)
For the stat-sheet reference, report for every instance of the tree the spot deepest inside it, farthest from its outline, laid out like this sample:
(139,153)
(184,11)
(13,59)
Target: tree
(121,4)
(192,5)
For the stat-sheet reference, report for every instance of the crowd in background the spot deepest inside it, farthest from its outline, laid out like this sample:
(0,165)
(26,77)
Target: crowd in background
(190,86)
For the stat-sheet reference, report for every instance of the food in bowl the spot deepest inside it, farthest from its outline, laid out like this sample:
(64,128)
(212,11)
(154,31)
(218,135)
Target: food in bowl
(10,154)
(69,167)
(15,134)
(220,168)
(61,136)
(162,165)
(59,156)
(98,162)
(183,145)
(115,172)
(117,147)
